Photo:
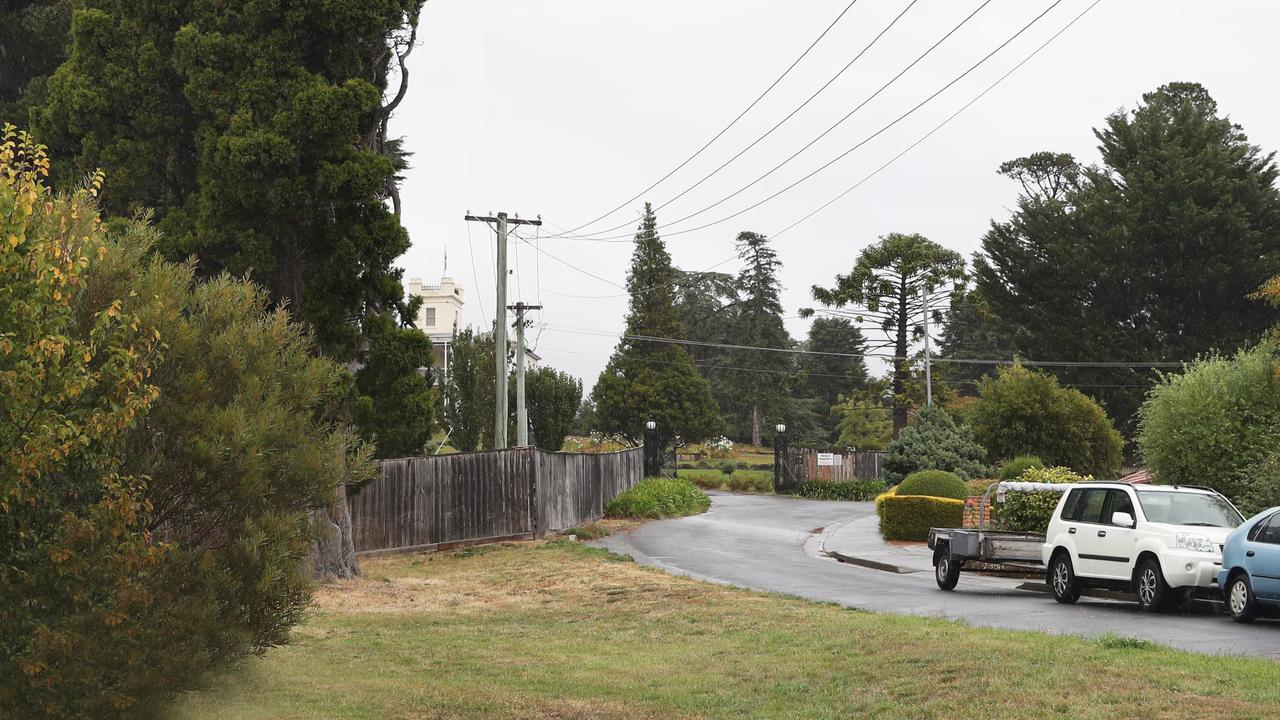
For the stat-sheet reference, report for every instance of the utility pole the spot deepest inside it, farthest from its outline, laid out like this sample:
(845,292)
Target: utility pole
(500,322)
(928,368)
(522,412)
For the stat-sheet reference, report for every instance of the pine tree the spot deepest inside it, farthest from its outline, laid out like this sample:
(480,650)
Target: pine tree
(759,377)
(827,377)
(648,379)
(891,285)
(1149,257)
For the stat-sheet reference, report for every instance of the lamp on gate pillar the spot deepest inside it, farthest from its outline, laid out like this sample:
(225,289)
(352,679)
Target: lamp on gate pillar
(779,454)
(652,454)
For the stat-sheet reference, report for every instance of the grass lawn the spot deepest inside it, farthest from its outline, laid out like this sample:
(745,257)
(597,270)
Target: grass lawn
(557,630)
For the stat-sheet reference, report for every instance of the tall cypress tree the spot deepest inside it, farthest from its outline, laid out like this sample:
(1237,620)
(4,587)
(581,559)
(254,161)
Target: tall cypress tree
(257,135)
(760,377)
(1149,257)
(647,379)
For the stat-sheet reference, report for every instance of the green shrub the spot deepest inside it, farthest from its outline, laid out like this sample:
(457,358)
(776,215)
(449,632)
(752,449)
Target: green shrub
(909,517)
(934,442)
(728,467)
(753,481)
(861,490)
(1023,411)
(934,483)
(891,492)
(977,486)
(1214,423)
(659,498)
(1031,511)
(1015,467)
(160,486)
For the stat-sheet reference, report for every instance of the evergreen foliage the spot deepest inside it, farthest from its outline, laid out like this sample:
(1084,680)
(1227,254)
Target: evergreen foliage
(828,377)
(397,405)
(1215,423)
(1022,411)
(258,136)
(469,392)
(759,381)
(1148,257)
(649,380)
(1013,469)
(935,442)
(164,444)
(934,483)
(889,287)
(553,399)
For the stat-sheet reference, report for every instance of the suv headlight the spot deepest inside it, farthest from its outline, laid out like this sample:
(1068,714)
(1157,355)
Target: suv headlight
(1196,543)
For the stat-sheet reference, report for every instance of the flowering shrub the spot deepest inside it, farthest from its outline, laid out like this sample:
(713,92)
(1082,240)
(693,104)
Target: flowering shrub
(721,447)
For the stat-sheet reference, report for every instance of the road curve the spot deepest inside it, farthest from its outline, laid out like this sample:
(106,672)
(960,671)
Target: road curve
(771,543)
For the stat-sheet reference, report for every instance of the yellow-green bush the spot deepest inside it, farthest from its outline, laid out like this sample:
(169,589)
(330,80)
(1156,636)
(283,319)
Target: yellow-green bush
(880,502)
(909,517)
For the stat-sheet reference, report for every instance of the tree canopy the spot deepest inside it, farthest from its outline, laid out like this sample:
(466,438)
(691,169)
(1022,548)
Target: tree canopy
(258,154)
(1150,256)
(649,379)
(889,288)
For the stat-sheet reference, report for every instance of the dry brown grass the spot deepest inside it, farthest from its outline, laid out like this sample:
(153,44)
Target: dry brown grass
(557,630)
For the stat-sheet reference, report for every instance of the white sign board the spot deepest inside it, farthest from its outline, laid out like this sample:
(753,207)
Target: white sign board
(826,459)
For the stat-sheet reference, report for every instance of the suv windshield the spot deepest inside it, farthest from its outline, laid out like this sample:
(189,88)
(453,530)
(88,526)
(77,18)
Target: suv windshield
(1188,508)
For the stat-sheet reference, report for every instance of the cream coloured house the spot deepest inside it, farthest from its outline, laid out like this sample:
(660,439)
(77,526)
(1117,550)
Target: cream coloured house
(441,314)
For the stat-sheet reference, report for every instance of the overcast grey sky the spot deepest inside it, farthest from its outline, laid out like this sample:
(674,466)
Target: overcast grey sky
(568,108)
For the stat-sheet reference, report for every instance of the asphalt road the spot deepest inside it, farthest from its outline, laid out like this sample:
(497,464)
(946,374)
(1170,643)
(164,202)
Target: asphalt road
(769,543)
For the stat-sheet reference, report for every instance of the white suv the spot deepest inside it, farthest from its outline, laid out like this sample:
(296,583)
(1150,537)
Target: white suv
(1161,542)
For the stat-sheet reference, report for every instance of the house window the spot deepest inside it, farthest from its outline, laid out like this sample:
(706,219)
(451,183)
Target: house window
(428,317)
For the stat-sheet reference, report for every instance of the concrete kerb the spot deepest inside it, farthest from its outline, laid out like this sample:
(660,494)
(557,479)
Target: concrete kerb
(858,542)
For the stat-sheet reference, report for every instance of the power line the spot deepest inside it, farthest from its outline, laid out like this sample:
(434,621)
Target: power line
(731,123)
(944,123)
(793,113)
(474,275)
(960,361)
(844,154)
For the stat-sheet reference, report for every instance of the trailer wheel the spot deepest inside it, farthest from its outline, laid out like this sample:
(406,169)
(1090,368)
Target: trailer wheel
(946,569)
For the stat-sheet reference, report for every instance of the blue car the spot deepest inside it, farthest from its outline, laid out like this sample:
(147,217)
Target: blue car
(1250,575)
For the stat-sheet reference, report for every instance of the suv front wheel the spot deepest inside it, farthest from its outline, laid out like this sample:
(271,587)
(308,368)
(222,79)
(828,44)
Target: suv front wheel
(1062,579)
(1154,594)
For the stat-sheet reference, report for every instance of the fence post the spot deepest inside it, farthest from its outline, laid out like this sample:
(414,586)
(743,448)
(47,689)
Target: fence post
(652,453)
(779,457)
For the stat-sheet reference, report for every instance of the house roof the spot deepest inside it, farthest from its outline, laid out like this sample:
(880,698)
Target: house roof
(1141,476)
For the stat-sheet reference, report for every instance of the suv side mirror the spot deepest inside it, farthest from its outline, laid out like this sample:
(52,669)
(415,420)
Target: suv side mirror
(1123,519)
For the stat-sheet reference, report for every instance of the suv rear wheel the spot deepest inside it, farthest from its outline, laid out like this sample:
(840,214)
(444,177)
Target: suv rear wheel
(1154,594)
(1240,600)
(1062,579)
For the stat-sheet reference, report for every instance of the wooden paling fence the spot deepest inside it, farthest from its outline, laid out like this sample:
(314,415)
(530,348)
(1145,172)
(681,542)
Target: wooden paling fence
(425,502)
(842,466)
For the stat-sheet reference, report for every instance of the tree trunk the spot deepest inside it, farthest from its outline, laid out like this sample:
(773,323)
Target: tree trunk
(900,367)
(333,555)
(755,426)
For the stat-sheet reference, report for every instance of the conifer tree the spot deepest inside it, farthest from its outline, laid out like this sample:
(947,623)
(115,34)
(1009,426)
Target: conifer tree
(649,379)
(759,379)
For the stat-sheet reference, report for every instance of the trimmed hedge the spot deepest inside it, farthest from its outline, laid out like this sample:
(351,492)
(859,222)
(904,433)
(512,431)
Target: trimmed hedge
(830,490)
(1015,467)
(880,502)
(659,498)
(909,517)
(934,483)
